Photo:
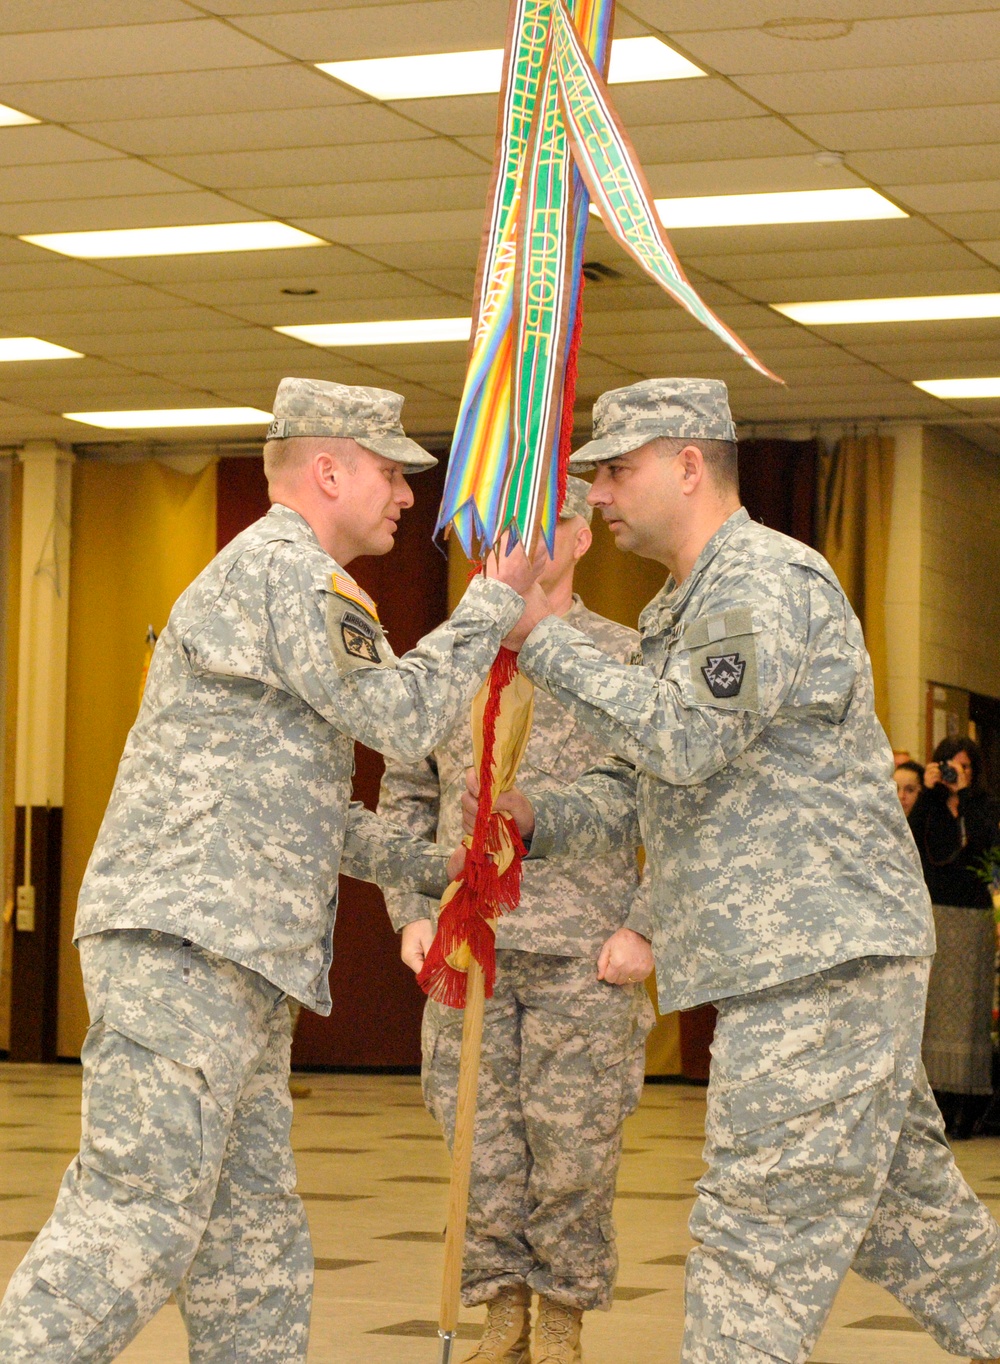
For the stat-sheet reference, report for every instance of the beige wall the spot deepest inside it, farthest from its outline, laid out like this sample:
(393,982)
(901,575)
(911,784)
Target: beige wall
(942,596)
(960,564)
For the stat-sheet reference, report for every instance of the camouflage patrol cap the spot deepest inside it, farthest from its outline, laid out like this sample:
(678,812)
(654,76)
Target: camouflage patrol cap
(626,418)
(575,503)
(371,416)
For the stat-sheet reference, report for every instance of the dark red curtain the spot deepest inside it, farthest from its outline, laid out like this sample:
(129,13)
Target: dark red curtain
(376,1002)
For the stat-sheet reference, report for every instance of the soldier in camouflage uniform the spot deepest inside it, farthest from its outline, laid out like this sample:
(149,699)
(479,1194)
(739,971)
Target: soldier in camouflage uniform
(563,1050)
(210,898)
(784,886)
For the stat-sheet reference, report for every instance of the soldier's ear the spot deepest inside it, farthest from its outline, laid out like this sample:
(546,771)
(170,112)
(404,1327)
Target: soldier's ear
(584,539)
(691,463)
(326,473)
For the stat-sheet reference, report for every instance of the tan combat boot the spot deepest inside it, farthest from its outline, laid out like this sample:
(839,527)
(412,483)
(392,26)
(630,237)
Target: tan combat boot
(557,1333)
(506,1336)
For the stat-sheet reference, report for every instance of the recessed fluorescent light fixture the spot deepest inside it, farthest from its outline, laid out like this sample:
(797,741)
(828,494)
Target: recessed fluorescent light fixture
(933,308)
(960,388)
(647,59)
(196,240)
(172,416)
(30,348)
(402,333)
(479,73)
(13,118)
(793,206)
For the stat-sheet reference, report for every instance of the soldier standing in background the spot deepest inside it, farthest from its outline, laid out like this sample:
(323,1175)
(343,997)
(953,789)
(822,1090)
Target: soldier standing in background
(210,896)
(564,1034)
(784,886)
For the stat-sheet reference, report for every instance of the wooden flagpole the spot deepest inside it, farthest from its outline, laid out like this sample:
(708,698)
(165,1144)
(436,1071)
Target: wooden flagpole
(461,1158)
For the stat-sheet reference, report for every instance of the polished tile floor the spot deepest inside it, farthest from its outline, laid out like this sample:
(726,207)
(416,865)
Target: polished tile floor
(374,1175)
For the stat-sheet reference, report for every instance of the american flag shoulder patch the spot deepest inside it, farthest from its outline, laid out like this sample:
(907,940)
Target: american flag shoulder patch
(348,589)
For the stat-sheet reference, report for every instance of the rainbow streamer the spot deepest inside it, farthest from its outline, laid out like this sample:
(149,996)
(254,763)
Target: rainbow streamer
(559,144)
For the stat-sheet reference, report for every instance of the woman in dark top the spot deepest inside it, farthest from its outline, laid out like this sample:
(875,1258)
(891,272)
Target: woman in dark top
(954,822)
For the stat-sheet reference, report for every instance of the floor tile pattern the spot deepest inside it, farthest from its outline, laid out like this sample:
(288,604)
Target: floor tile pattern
(376,1201)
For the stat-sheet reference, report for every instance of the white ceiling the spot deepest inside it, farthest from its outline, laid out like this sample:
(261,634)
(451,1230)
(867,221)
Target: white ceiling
(158,112)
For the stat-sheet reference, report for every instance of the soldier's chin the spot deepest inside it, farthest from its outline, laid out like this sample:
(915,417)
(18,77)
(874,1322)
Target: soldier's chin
(380,541)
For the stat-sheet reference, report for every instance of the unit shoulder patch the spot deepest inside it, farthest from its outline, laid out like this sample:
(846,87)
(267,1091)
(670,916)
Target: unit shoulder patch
(356,640)
(722,654)
(724,674)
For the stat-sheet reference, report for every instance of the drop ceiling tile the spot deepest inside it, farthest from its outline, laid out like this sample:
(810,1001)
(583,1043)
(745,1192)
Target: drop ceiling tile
(913,355)
(723,140)
(257,130)
(683,16)
(989,249)
(969,226)
(320,165)
(858,260)
(797,236)
(153,343)
(236,293)
(362,230)
(971,196)
(459,282)
(890,87)
(750,174)
(402,297)
(903,41)
(45,303)
(37,144)
(382,30)
(28,16)
(684,101)
(128,50)
(51,273)
(279,85)
(194,323)
(86,180)
(370,196)
(457,252)
(881,285)
(929,165)
(878,129)
(456,116)
(300,265)
(145,210)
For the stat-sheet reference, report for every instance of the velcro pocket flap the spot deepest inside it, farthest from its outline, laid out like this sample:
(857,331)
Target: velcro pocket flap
(160,1028)
(81,1284)
(827,1078)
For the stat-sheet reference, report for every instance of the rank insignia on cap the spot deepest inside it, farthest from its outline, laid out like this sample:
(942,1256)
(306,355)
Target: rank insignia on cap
(724,674)
(359,638)
(348,589)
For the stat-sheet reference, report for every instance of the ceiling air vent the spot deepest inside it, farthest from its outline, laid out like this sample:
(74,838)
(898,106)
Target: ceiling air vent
(596,272)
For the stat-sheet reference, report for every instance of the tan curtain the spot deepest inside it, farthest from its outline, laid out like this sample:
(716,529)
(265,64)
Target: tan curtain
(854,496)
(141,532)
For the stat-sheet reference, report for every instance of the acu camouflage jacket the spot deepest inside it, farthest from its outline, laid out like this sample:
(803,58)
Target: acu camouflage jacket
(752,766)
(231,813)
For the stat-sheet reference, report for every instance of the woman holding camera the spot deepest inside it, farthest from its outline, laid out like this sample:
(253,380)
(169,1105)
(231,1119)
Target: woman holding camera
(954,822)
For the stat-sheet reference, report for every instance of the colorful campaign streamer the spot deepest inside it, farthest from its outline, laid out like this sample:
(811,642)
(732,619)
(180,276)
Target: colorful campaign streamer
(560,144)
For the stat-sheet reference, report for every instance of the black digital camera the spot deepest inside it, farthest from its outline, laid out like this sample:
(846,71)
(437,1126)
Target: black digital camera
(949,774)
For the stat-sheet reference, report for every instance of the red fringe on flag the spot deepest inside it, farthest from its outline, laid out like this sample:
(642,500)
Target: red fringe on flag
(483,893)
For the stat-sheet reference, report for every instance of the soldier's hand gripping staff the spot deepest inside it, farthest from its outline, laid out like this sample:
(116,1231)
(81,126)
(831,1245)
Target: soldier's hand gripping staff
(784,886)
(210,898)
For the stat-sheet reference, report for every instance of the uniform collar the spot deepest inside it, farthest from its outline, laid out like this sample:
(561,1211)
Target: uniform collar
(293,523)
(670,600)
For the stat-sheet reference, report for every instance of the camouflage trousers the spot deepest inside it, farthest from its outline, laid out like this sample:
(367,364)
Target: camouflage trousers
(185,1179)
(562,1067)
(825,1149)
